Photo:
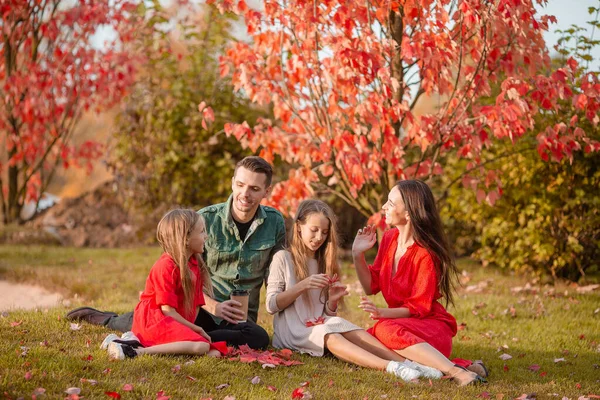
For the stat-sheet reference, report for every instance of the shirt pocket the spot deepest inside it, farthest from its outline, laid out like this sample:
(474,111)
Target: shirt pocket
(260,251)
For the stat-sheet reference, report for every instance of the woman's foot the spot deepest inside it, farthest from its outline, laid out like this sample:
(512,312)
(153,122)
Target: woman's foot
(463,376)
(426,372)
(479,368)
(403,371)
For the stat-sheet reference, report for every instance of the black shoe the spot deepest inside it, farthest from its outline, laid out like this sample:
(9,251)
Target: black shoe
(90,315)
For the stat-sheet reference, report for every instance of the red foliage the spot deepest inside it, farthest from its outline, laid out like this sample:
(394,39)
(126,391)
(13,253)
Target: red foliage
(271,358)
(343,78)
(51,74)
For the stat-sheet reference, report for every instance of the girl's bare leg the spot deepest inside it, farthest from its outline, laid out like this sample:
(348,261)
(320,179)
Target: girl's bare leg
(192,348)
(370,343)
(347,351)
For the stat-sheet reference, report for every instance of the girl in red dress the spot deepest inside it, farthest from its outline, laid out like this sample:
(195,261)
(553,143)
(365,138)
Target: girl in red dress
(413,269)
(164,318)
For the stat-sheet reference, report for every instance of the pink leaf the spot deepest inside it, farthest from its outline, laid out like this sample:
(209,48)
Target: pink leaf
(73,390)
(127,387)
(534,367)
(201,106)
(222,386)
(255,380)
(75,327)
(28,375)
(272,388)
(13,324)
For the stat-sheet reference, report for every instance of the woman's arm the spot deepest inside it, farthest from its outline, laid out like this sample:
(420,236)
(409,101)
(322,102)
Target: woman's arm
(377,312)
(169,311)
(364,240)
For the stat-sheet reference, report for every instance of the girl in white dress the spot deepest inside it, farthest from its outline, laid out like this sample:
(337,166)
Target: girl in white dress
(303,294)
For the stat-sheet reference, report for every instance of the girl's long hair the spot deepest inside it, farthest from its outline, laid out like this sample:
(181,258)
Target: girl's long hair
(429,233)
(172,233)
(326,255)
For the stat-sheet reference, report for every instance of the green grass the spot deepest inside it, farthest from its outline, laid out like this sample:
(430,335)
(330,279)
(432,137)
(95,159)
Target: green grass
(549,323)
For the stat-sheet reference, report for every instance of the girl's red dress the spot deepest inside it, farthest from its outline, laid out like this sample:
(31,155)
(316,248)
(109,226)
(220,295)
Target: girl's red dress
(414,286)
(163,287)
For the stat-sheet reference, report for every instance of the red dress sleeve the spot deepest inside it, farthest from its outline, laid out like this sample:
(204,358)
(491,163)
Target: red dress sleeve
(165,278)
(425,288)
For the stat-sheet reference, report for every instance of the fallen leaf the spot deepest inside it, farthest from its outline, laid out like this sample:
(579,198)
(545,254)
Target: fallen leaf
(534,367)
(191,378)
(228,398)
(73,390)
(557,360)
(543,373)
(88,358)
(13,324)
(106,371)
(162,396)
(272,388)
(578,386)
(28,375)
(505,368)
(330,383)
(266,365)
(505,356)
(462,326)
(484,395)
(222,386)
(127,387)
(114,395)
(39,391)
(90,381)
(189,362)
(298,393)
(176,368)
(255,380)
(75,326)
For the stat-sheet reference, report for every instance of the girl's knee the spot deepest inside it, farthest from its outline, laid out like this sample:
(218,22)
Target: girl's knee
(200,348)
(332,338)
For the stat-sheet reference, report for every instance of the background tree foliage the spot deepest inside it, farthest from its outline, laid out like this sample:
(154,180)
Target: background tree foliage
(547,219)
(162,154)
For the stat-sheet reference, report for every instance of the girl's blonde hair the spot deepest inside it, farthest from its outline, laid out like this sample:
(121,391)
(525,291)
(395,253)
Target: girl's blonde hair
(173,235)
(326,255)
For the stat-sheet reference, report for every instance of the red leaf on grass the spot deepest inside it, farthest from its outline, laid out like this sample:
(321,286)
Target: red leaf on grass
(13,324)
(298,393)
(114,395)
(191,378)
(304,384)
(106,371)
(88,358)
(272,388)
(534,367)
(505,368)
(176,369)
(484,395)
(161,395)
(330,384)
(543,373)
(578,386)
(127,387)
(28,375)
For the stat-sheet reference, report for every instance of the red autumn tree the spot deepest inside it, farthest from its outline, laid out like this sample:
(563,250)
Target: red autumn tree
(51,74)
(344,78)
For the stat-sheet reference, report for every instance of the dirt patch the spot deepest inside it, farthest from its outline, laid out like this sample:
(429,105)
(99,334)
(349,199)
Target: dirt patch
(95,219)
(22,296)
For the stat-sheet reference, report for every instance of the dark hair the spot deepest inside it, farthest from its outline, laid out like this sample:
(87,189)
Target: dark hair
(258,165)
(429,233)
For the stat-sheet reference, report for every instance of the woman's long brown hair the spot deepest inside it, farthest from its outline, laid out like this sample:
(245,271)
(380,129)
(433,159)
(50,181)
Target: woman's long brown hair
(429,233)
(172,234)
(326,255)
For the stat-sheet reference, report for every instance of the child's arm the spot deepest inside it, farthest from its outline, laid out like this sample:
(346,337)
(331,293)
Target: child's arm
(169,311)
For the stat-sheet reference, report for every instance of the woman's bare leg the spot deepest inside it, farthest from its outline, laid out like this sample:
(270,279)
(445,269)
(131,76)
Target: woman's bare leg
(426,354)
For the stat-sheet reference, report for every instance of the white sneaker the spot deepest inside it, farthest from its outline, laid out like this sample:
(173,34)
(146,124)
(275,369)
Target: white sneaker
(115,351)
(108,340)
(129,336)
(403,371)
(427,372)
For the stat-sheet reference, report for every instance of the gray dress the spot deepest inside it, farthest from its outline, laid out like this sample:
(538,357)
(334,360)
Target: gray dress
(289,324)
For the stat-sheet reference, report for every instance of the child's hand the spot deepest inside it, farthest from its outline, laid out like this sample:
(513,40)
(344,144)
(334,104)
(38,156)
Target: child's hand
(337,291)
(316,281)
(368,306)
(364,240)
(203,333)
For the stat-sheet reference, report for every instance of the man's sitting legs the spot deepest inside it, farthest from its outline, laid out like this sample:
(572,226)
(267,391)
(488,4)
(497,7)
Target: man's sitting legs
(109,319)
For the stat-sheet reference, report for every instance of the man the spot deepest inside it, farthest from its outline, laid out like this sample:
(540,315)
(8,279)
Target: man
(243,235)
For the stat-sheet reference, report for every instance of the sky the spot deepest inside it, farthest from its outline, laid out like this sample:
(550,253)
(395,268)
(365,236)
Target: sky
(570,12)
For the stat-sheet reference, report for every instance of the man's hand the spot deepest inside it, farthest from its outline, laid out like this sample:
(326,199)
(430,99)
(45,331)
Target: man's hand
(230,311)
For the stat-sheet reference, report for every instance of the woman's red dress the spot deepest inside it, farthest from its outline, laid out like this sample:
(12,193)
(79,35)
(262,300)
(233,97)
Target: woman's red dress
(163,287)
(414,286)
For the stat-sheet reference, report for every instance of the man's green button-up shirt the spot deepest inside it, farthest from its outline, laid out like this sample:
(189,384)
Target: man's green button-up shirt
(236,264)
